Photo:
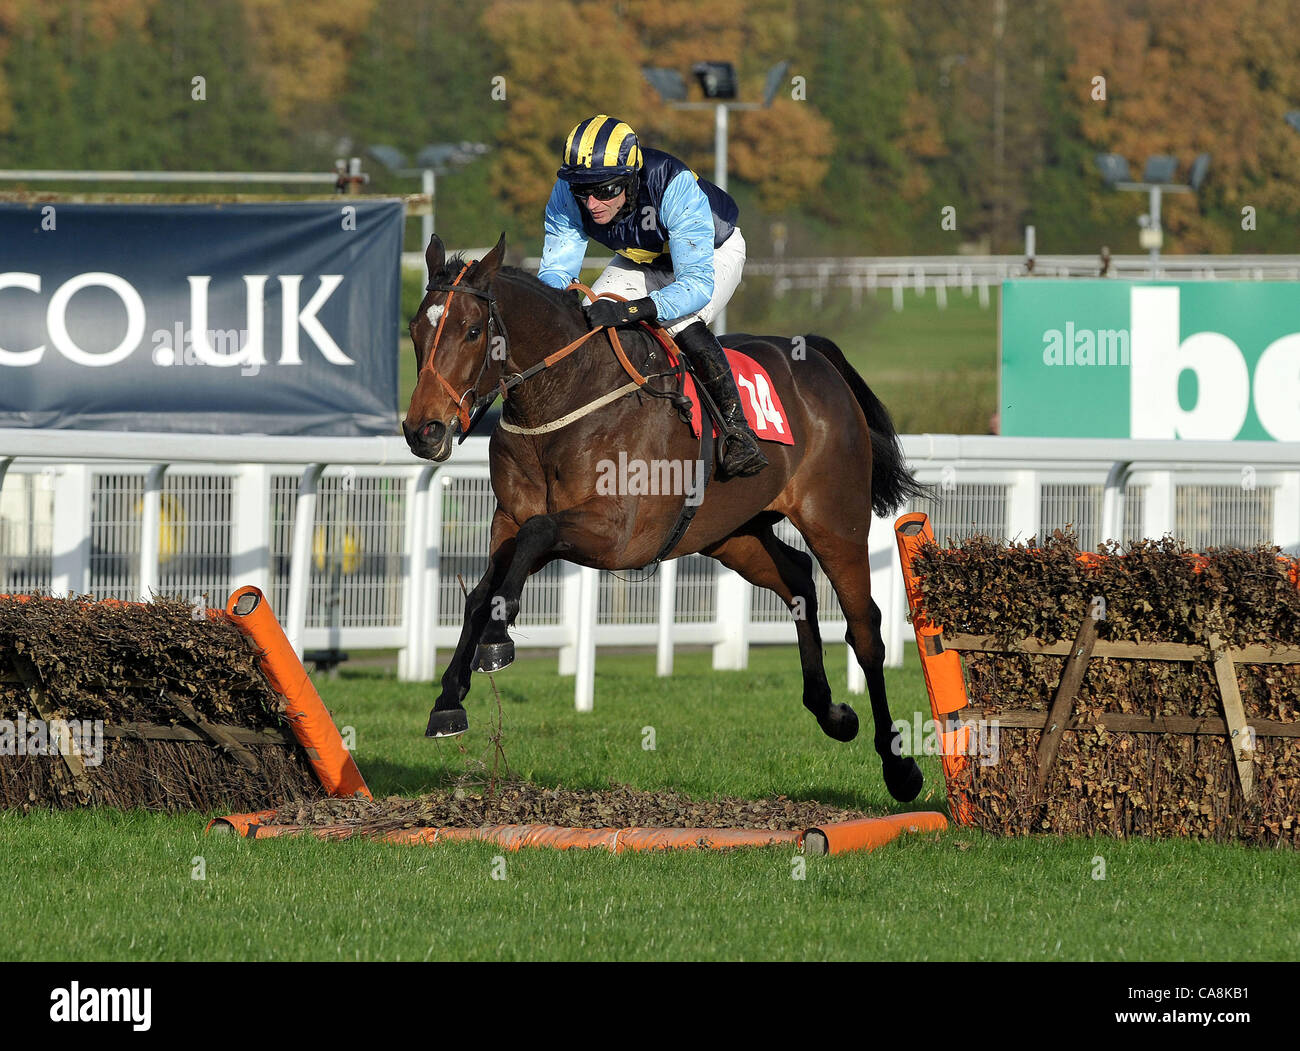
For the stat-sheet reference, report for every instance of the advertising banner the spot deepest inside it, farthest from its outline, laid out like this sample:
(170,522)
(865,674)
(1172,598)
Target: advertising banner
(1214,360)
(212,319)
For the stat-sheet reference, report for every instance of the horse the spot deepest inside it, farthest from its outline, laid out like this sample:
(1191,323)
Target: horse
(485,329)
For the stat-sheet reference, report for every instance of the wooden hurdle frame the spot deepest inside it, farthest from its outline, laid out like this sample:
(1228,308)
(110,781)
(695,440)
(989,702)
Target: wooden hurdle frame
(310,726)
(940,654)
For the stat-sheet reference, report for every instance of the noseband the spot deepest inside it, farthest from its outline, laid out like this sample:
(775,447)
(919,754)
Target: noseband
(468,417)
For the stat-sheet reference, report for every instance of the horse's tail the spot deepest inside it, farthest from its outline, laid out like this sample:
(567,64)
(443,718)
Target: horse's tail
(892,484)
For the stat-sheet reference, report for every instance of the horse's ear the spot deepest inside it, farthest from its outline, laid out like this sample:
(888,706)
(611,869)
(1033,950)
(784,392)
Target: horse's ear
(434,255)
(491,263)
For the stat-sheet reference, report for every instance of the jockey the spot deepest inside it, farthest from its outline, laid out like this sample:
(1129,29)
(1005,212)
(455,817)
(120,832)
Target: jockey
(679,255)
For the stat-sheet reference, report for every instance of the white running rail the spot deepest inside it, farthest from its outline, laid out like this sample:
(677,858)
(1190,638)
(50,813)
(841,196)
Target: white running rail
(360,545)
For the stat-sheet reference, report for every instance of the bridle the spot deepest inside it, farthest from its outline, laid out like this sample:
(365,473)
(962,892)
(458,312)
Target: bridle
(469,417)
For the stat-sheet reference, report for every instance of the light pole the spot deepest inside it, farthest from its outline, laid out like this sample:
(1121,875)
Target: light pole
(437,158)
(1157,178)
(718,82)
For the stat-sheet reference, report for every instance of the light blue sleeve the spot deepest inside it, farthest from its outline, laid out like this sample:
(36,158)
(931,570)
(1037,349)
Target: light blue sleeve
(565,245)
(687,220)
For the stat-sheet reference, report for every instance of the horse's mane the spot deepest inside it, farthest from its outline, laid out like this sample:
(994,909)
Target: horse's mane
(636,342)
(560,297)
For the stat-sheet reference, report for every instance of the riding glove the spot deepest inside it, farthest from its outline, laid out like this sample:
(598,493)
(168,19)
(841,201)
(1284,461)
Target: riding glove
(609,313)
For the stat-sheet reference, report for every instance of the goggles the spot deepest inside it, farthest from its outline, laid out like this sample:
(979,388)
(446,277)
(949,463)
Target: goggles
(601,191)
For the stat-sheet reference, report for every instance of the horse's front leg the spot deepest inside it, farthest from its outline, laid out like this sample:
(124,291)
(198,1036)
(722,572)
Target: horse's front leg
(448,717)
(534,547)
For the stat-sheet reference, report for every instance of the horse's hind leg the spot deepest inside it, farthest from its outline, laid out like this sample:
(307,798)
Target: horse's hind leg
(845,560)
(766,561)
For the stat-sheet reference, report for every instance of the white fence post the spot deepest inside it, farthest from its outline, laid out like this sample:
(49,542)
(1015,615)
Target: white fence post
(304,521)
(1112,502)
(857,678)
(250,548)
(1022,505)
(570,600)
(895,614)
(151,531)
(70,564)
(430,614)
(886,592)
(1286,513)
(1159,504)
(734,601)
(667,615)
(584,686)
(419,632)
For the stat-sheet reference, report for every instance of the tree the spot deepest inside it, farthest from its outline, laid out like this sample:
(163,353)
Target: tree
(1243,63)
(988,69)
(860,81)
(551,85)
(783,150)
(303,49)
(422,73)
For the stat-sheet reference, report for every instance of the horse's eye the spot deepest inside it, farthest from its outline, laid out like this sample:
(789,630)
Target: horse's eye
(475,332)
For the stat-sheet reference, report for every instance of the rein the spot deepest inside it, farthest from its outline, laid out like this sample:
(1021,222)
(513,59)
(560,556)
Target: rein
(469,417)
(552,359)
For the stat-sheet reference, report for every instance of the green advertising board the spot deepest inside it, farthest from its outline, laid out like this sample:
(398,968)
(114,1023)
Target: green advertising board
(1212,360)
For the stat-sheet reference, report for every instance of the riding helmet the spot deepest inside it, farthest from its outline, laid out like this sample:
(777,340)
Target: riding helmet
(600,149)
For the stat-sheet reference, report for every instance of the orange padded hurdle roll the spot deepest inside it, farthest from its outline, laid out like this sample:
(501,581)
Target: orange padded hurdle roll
(308,718)
(240,823)
(832,838)
(942,670)
(869,833)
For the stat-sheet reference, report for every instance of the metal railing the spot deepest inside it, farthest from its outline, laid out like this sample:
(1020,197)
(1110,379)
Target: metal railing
(977,275)
(360,545)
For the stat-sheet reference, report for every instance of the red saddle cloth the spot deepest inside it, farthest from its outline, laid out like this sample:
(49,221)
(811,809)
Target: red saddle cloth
(758,397)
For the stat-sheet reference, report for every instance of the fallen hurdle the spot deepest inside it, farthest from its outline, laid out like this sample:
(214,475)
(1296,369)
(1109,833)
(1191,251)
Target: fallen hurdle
(831,838)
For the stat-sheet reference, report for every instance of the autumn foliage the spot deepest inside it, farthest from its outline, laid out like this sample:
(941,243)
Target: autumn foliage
(889,113)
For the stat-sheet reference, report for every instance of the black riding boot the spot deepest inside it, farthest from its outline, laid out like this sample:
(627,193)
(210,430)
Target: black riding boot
(740,454)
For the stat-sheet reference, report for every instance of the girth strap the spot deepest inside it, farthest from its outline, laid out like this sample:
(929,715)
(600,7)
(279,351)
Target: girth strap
(687,513)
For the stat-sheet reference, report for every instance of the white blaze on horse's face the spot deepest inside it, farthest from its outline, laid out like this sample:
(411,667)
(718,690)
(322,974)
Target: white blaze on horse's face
(433,314)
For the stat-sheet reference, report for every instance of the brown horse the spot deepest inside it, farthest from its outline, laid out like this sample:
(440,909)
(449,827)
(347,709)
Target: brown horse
(551,504)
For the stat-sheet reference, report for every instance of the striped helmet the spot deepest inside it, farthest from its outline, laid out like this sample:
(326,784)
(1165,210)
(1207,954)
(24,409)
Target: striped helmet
(599,149)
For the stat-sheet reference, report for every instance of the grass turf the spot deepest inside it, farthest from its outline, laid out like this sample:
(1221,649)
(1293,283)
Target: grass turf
(119,886)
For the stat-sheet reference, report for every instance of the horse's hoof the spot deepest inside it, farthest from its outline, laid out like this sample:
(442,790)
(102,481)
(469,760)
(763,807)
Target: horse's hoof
(450,722)
(903,779)
(840,723)
(493,656)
